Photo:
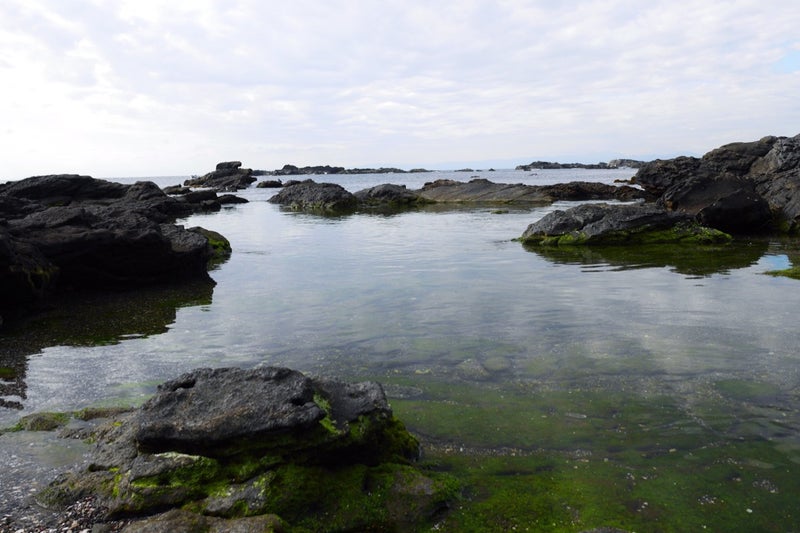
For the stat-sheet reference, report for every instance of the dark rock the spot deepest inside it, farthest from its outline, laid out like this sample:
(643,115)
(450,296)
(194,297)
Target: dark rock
(547,165)
(227,177)
(255,445)
(229,165)
(224,411)
(231,199)
(618,224)
(483,190)
(269,184)
(739,187)
(68,231)
(310,195)
(388,194)
(176,190)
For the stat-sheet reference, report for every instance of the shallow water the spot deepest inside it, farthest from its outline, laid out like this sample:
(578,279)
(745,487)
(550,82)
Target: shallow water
(443,299)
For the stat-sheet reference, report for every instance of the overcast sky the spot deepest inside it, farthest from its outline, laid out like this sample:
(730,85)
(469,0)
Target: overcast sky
(171,87)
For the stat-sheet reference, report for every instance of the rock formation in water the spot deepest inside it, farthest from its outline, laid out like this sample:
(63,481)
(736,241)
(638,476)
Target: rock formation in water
(69,232)
(238,447)
(739,188)
(228,176)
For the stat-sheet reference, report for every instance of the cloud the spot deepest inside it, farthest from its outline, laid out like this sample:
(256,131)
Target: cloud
(147,87)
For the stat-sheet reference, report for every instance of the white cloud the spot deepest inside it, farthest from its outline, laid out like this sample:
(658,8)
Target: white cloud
(134,87)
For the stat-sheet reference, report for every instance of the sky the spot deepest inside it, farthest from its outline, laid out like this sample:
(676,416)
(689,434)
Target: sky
(113,88)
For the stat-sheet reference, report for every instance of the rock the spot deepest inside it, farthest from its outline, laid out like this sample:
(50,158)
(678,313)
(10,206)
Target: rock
(267,446)
(76,232)
(388,195)
(483,190)
(618,224)
(248,407)
(186,521)
(231,199)
(269,184)
(740,187)
(310,195)
(228,176)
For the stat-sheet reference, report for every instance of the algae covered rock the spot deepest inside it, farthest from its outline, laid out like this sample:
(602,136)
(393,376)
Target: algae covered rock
(320,454)
(619,224)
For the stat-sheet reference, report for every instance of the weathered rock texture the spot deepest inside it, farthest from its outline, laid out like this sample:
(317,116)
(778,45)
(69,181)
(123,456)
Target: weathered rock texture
(739,187)
(318,455)
(228,176)
(313,196)
(77,232)
(619,224)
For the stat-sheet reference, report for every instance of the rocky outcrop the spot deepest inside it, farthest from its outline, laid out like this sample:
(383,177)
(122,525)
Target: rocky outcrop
(483,190)
(76,232)
(328,197)
(232,444)
(292,170)
(619,224)
(313,196)
(740,187)
(389,195)
(228,176)
(548,165)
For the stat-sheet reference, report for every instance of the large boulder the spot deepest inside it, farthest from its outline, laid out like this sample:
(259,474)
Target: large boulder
(321,455)
(77,232)
(618,224)
(313,196)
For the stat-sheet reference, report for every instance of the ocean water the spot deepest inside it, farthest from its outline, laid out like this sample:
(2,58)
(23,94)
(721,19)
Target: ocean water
(444,299)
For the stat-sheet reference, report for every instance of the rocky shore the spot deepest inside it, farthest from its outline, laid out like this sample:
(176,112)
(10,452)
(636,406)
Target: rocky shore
(265,449)
(68,232)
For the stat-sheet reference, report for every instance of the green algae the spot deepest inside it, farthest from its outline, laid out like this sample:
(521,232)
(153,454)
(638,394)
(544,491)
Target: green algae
(793,272)
(574,460)
(683,233)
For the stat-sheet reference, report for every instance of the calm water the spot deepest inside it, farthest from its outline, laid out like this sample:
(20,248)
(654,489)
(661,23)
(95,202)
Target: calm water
(424,292)
(468,325)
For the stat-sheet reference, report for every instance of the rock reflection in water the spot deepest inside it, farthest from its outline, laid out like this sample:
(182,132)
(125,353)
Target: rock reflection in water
(682,259)
(90,319)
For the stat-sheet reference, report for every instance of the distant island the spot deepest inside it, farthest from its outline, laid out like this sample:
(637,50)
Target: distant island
(292,170)
(614,163)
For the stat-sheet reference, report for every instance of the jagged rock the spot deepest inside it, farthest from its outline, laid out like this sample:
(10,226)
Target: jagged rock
(266,442)
(310,195)
(618,224)
(740,187)
(228,176)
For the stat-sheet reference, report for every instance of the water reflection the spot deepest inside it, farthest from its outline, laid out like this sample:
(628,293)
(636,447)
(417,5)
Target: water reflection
(91,319)
(686,260)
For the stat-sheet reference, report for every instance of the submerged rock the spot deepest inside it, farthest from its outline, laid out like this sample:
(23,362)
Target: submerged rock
(268,442)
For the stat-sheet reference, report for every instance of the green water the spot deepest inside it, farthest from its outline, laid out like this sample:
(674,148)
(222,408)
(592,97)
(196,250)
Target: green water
(650,390)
